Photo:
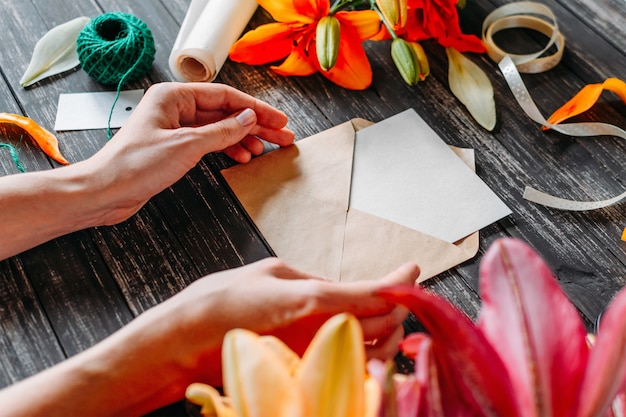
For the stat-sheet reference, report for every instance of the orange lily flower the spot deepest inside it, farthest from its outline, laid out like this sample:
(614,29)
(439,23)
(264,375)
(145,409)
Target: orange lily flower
(586,98)
(292,36)
(438,20)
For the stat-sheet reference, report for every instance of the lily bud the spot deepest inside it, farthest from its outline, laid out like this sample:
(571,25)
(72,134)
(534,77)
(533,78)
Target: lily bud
(422,59)
(394,12)
(327,41)
(406,60)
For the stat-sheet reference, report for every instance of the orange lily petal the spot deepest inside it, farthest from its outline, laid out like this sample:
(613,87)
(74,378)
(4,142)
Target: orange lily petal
(304,11)
(352,69)
(382,35)
(624,235)
(366,23)
(267,43)
(586,98)
(297,63)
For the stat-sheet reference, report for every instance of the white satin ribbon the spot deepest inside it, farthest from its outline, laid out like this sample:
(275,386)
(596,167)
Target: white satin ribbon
(513,78)
(529,15)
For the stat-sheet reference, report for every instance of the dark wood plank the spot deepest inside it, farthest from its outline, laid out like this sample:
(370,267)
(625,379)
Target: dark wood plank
(74,286)
(63,296)
(27,341)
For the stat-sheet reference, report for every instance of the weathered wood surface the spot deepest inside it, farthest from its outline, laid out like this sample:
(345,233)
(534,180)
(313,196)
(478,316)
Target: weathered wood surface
(63,296)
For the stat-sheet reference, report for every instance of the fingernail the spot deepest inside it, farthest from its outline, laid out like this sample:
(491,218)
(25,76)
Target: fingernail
(246,117)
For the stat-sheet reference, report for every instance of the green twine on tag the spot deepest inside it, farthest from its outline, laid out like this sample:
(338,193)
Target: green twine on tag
(14,155)
(115,48)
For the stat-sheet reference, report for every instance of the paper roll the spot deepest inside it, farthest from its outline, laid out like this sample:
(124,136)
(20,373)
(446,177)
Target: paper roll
(208,31)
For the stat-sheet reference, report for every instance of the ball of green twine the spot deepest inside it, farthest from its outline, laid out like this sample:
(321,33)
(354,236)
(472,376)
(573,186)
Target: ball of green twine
(115,48)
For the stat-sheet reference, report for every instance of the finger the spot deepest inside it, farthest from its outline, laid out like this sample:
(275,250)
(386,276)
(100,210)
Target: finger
(359,297)
(382,326)
(238,153)
(385,348)
(253,144)
(281,137)
(226,132)
(282,270)
(210,97)
(405,274)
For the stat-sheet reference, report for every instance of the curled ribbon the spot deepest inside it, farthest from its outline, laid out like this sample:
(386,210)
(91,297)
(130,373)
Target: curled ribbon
(529,15)
(513,78)
(538,17)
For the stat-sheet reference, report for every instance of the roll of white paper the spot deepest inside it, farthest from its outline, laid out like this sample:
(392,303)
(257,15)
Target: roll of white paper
(208,31)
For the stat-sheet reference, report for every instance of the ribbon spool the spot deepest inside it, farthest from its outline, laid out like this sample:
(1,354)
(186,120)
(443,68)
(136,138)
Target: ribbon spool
(526,15)
(115,48)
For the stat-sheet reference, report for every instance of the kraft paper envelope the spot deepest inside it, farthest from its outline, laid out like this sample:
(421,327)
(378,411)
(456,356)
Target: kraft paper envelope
(299,199)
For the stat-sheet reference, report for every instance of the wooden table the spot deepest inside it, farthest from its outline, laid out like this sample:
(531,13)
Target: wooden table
(63,296)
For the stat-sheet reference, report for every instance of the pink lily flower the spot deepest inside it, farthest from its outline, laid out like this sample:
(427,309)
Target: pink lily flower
(527,354)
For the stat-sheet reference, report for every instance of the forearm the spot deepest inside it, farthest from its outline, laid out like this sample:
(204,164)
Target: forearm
(39,206)
(130,373)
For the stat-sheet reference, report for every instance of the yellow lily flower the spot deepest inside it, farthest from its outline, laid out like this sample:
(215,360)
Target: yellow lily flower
(264,377)
(332,370)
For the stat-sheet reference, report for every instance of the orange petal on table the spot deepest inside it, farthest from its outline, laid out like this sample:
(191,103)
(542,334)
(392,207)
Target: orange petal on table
(586,98)
(366,23)
(41,136)
(624,235)
(267,43)
(305,11)
(352,69)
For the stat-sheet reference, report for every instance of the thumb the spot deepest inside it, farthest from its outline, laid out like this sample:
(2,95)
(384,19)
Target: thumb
(405,274)
(231,130)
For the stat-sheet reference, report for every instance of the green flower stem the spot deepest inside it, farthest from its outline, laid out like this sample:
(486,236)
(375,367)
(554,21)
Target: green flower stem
(382,19)
(339,5)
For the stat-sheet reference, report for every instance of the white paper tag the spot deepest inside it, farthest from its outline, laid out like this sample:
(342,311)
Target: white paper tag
(84,111)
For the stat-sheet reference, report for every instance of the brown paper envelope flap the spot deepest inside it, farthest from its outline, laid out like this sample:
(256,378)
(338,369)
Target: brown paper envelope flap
(375,246)
(359,124)
(298,198)
(305,232)
(319,166)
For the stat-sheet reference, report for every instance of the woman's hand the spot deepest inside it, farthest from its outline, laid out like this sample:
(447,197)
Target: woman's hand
(172,128)
(168,133)
(270,297)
